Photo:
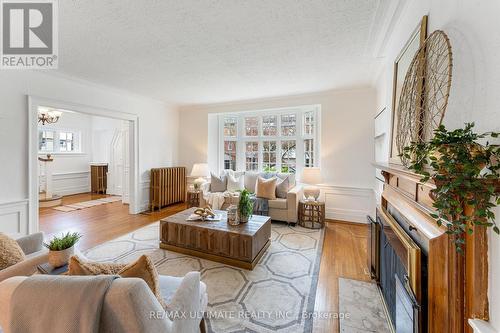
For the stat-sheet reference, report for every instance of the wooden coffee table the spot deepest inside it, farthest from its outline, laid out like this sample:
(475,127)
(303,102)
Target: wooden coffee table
(241,246)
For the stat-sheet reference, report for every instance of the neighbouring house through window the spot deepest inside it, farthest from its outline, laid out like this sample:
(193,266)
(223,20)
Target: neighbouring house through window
(284,139)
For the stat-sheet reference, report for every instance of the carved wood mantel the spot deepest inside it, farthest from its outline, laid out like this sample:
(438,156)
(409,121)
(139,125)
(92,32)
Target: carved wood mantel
(457,283)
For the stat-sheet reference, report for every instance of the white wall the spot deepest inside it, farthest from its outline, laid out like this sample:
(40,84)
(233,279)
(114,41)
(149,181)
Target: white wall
(103,130)
(346,143)
(473,27)
(70,171)
(157,129)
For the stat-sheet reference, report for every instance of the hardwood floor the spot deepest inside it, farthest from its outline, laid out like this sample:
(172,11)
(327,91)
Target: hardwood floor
(344,255)
(344,249)
(98,224)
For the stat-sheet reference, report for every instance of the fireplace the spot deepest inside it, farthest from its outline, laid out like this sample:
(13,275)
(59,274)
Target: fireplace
(398,263)
(427,286)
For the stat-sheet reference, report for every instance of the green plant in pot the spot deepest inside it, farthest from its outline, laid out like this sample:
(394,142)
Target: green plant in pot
(465,169)
(62,248)
(245,206)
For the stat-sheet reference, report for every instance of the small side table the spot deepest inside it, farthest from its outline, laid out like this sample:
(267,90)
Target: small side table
(193,199)
(311,214)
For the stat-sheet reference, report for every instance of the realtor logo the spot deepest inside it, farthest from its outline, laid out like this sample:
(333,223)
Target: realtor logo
(29,34)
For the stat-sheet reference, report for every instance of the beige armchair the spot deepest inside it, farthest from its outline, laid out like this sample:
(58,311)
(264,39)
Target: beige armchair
(128,304)
(36,254)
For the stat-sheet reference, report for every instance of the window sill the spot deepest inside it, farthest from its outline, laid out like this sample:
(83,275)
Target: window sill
(61,154)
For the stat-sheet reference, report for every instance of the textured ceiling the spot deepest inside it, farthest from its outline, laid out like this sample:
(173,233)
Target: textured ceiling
(194,51)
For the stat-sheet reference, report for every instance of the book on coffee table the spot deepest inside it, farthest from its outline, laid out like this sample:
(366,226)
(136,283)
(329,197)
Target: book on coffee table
(46,268)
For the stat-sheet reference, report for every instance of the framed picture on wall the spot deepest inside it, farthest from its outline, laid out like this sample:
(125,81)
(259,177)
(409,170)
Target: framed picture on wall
(401,65)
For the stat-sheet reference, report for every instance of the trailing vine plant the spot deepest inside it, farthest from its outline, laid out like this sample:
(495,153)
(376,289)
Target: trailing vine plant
(466,171)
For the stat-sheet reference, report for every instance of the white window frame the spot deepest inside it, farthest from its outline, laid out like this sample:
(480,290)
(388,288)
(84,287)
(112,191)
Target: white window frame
(299,136)
(77,141)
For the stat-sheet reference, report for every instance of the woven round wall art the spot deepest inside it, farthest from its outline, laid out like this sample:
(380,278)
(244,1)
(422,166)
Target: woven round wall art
(425,92)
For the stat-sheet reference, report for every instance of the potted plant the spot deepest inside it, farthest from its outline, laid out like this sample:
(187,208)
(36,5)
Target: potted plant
(62,248)
(245,207)
(465,169)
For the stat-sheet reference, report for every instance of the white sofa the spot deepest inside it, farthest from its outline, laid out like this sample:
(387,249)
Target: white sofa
(36,254)
(280,209)
(129,305)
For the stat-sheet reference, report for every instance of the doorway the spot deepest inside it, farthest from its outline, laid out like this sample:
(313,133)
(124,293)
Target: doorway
(68,138)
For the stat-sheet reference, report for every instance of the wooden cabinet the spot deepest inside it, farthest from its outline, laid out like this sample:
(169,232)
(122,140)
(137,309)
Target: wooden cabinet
(98,177)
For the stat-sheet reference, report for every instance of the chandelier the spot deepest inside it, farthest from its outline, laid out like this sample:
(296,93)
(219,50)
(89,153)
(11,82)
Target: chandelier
(48,116)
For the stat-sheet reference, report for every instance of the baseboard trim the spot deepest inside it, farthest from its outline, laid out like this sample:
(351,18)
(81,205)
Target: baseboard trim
(348,215)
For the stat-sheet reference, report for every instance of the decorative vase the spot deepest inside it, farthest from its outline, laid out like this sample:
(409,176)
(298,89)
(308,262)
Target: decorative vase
(232,215)
(60,258)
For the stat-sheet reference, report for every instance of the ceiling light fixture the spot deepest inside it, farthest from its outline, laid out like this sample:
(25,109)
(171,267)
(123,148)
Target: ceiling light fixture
(48,116)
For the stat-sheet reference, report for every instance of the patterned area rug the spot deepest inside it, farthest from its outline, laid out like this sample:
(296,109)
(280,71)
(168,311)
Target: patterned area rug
(87,204)
(276,296)
(363,302)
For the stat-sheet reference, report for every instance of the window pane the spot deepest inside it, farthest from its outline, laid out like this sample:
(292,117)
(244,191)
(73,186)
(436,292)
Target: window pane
(46,141)
(269,156)
(230,126)
(269,125)
(288,156)
(66,142)
(251,126)
(308,153)
(230,155)
(309,123)
(288,124)
(252,156)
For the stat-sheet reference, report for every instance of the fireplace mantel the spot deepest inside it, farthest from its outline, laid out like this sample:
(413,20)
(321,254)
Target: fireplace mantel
(457,284)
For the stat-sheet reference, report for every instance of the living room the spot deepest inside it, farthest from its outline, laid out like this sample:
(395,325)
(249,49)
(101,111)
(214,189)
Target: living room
(287,168)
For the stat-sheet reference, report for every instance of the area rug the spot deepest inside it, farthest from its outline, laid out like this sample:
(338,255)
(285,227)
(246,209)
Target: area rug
(277,296)
(360,304)
(87,204)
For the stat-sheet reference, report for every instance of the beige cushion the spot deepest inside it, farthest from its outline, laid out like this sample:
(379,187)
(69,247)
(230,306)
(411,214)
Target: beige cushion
(266,188)
(278,203)
(251,181)
(10,252)
(218,184)
(142,268)
(282,187)
(80,267)
(290,176)
(235,183)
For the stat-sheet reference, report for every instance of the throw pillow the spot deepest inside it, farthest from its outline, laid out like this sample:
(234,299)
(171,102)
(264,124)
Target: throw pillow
(218,184)
(266,188)
(80,267)
(10,252)
(251,181)
(234,183)
(142,268)
(290,176)
(282,187)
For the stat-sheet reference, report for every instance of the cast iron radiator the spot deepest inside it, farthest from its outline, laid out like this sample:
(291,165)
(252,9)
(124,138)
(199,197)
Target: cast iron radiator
(168,186)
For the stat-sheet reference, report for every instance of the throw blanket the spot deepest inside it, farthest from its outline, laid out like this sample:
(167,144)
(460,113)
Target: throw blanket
(214,199)
(62,304)
(260,206)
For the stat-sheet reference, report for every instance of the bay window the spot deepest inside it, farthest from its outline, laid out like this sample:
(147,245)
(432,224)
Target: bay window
(230,155)
(283,140)
(252,156)
(269,156)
